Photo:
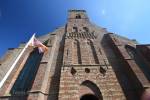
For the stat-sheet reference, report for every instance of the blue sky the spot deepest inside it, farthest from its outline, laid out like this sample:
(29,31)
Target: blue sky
(19,19)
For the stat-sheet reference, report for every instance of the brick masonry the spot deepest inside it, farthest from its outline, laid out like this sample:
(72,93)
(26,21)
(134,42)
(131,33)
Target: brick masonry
(82,59)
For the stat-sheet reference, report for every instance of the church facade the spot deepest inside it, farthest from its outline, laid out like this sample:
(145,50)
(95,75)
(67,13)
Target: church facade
(83,62)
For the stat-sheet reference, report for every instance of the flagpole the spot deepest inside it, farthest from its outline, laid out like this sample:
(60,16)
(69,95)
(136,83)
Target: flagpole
(17,59)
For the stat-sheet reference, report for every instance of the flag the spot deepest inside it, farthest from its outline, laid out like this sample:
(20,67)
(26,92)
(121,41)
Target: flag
(32,42)
(36,43)
(29,43)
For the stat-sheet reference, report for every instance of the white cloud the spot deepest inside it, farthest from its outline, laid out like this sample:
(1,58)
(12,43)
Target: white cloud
(103,12)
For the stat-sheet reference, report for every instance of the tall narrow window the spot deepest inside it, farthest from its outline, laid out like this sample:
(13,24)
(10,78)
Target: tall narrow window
(28,73)
(78,51)
(93,51)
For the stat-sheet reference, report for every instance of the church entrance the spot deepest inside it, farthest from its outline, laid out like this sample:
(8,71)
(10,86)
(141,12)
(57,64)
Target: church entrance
(89,91)
(89,97)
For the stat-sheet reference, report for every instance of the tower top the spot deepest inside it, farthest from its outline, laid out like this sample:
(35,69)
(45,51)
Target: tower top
(77,14)
(77,10)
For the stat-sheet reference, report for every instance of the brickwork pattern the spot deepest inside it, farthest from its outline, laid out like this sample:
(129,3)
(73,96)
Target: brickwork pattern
(82,59)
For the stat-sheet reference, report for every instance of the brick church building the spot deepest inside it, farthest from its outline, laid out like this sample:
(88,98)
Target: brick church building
(83,62)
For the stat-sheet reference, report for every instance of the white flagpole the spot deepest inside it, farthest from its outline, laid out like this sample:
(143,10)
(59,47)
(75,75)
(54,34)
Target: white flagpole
(17,59)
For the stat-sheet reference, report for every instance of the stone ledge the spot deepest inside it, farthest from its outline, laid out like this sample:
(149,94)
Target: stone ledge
(85,65)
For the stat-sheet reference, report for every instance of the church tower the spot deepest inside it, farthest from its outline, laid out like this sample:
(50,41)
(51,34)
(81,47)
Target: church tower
(85,65)
(83,62)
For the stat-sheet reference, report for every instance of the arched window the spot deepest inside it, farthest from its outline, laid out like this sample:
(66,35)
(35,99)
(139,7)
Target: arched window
(78,16)
(92,91)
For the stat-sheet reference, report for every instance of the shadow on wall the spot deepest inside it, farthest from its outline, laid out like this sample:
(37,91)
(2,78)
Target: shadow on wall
(120,68)
(55,80)
(139,60)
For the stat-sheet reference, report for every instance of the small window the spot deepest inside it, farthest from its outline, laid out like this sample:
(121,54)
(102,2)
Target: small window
(73,71)
(78,16)
(67,52)
(75,29)
(102,70)
(87,70)
(85,29)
